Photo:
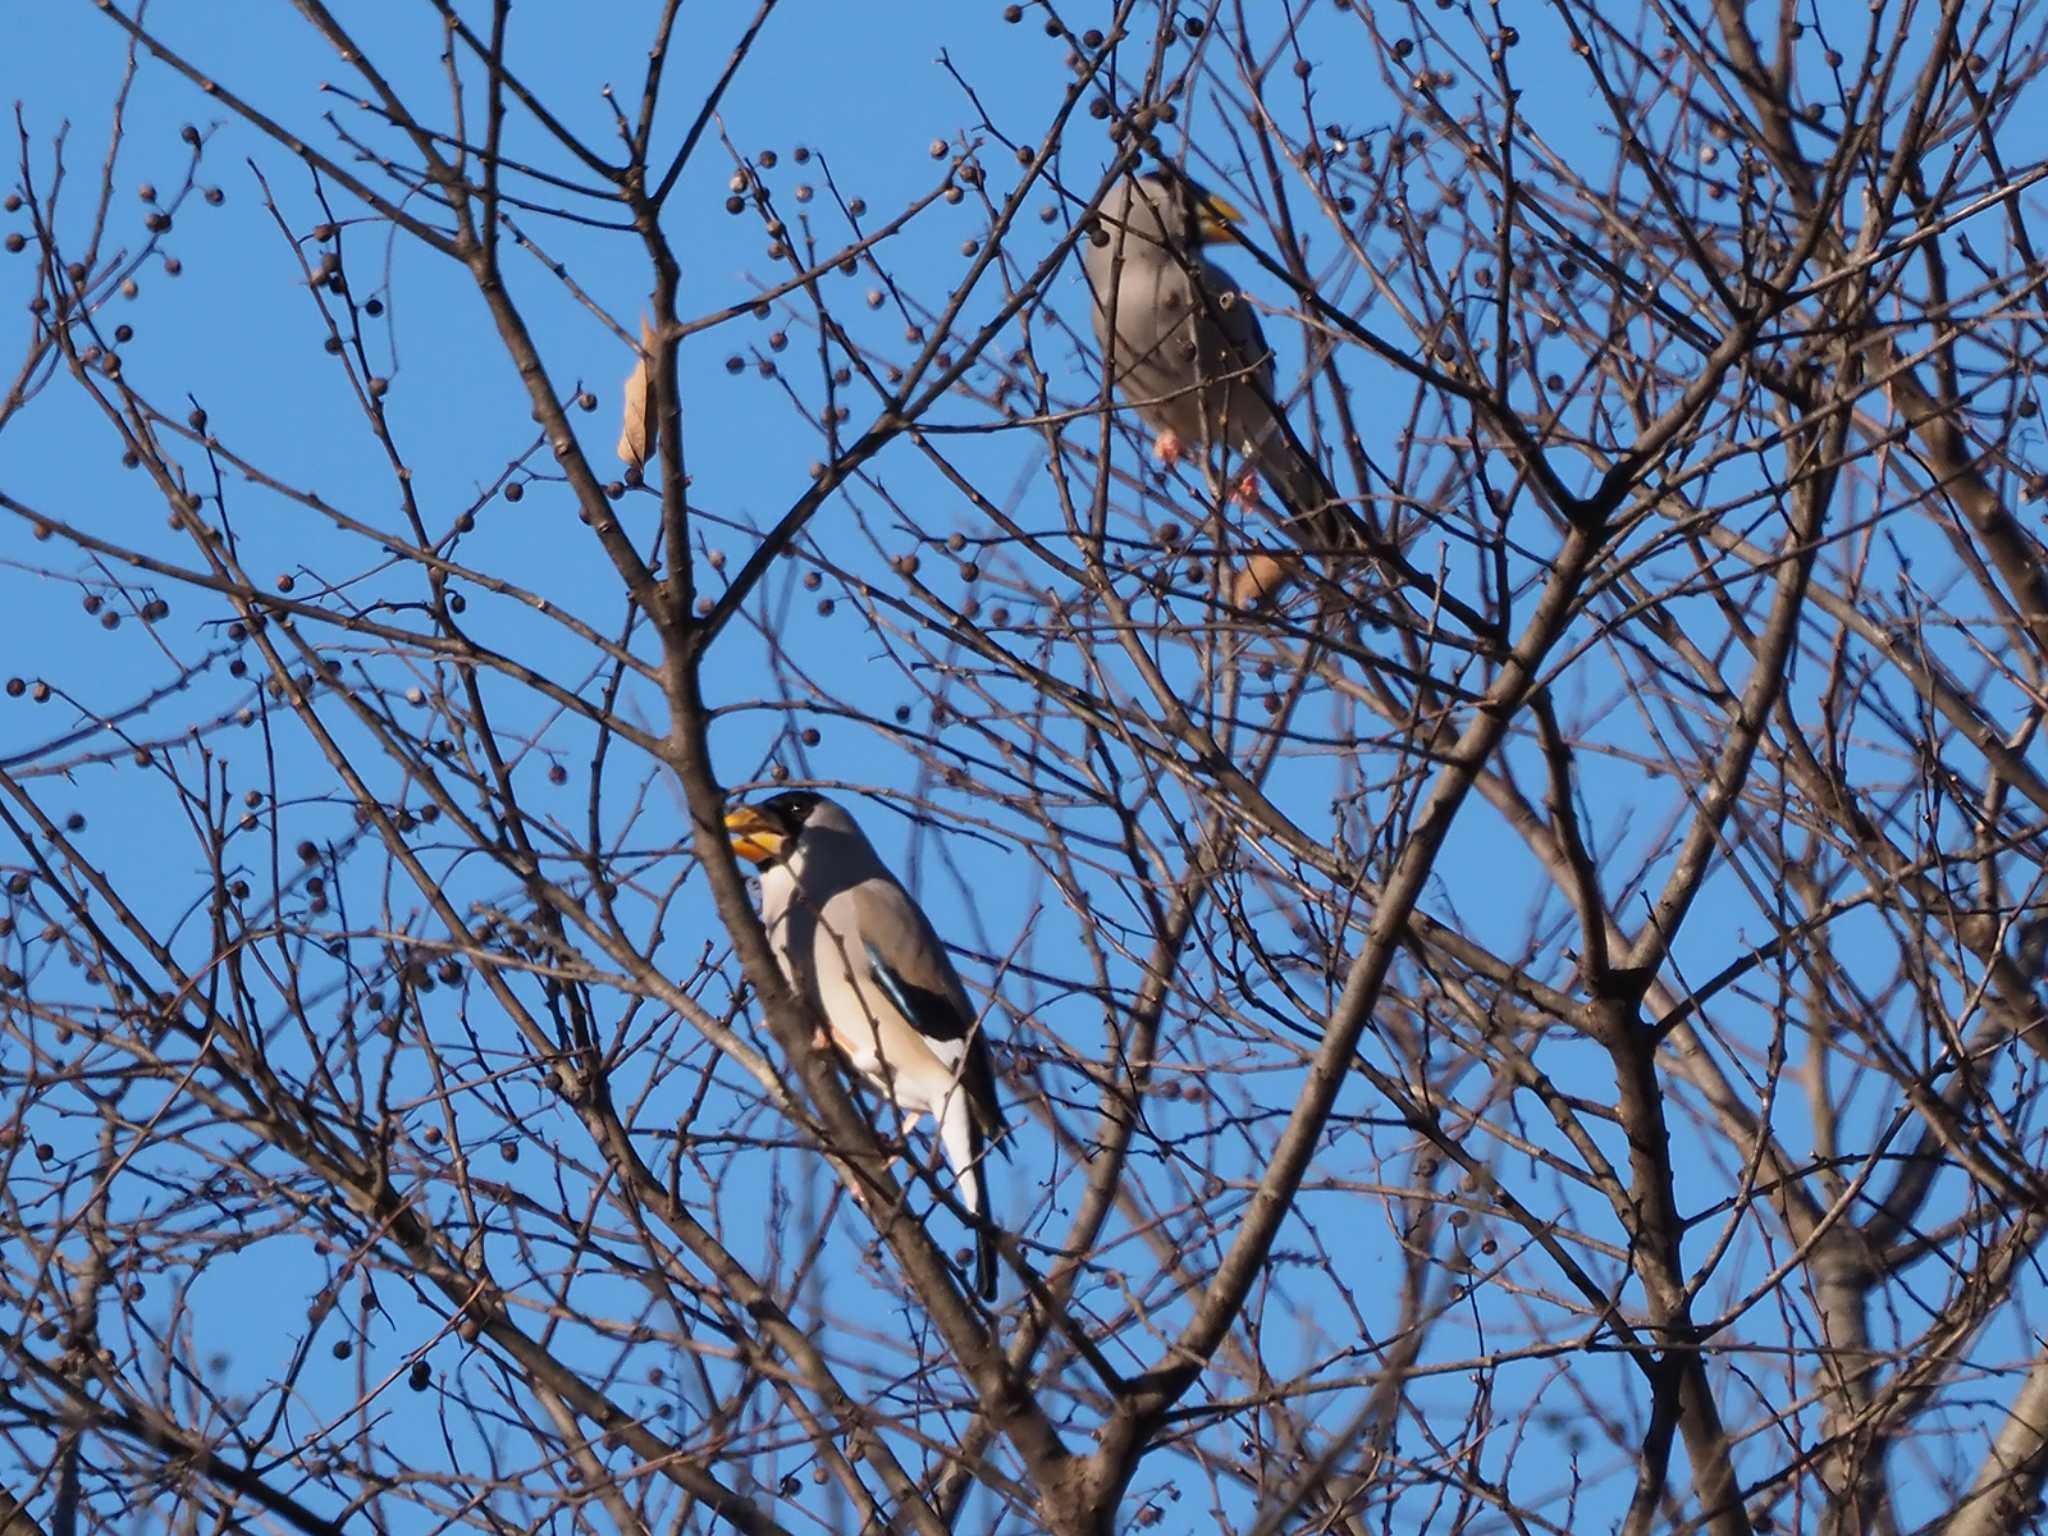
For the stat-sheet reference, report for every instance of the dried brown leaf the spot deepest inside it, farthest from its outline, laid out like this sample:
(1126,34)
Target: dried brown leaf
(1260,579)
(639,430)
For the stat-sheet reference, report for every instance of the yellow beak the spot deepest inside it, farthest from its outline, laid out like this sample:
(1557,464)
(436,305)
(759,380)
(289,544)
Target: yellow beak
(1215,219)
(754,835)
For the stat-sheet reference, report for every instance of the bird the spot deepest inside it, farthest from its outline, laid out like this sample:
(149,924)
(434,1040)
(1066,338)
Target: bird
(852,943)
(1189,353)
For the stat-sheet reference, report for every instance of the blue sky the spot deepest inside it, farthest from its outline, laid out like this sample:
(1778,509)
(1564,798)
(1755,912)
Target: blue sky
(841,95)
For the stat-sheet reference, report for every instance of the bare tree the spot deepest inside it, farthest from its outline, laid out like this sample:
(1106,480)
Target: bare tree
(1527,1017)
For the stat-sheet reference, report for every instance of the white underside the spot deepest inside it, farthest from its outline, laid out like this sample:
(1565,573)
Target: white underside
(919,1075)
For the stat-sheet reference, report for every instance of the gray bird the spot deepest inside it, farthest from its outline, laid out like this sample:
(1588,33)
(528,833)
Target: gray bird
(852,942)
(1189,353)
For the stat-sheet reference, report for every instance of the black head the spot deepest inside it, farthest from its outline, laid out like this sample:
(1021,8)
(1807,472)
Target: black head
(793,807)
(767,832)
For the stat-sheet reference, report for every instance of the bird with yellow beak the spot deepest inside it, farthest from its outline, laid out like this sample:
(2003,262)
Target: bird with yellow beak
(855,946)
(1188,352)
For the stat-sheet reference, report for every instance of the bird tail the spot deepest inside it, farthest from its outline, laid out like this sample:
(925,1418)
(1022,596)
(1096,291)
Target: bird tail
(961,1140)
(984,1251)
(1315,515)
(1319,519)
